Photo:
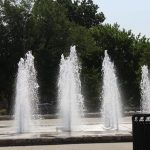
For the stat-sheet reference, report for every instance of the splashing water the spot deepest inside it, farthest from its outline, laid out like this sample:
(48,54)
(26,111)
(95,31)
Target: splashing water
(69,91)
(111,98)
(26,98)
(145,90)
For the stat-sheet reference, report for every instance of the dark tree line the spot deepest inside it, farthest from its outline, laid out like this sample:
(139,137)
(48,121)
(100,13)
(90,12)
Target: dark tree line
(49,28)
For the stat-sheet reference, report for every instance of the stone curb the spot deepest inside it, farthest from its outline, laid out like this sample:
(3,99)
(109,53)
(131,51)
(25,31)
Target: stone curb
(65,140)
(55,116)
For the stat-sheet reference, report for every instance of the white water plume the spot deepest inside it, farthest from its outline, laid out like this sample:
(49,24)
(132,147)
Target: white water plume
(111,107)
(26,98)
(145,90)
(69,91)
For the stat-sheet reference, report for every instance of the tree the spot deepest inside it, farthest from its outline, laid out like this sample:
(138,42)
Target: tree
(49,28)
(84,13)
(12,41)
(126,50)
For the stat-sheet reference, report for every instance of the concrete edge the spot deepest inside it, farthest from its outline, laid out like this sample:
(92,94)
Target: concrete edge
(65,140)
(55,116)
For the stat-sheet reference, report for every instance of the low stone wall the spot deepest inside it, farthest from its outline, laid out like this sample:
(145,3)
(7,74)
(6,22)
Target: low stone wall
(65,140)
(54,116)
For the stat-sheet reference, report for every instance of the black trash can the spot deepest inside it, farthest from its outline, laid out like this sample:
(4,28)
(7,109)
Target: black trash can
(141,131)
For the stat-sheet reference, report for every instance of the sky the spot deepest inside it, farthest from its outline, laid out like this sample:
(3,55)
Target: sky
(129,14)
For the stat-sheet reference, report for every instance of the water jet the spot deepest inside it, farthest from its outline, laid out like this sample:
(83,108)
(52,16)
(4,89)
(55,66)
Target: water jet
(69,91)
(111,108)
(26,96)
(145,90)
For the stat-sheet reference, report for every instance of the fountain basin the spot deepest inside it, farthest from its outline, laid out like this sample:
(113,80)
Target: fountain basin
(92,131)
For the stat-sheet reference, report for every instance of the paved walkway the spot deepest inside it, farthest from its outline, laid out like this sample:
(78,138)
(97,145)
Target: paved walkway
(101,146)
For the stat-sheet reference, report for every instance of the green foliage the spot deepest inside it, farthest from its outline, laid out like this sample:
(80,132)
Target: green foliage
(12,37)
(49,28)
(83,13)
(128,53)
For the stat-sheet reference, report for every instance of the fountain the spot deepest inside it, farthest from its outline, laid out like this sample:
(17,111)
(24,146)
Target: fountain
(111,98)
(145,90)
(69,91)
(26,98)
(71,108)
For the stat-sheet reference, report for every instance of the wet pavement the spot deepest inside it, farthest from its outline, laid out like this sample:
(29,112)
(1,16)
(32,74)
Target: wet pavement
(51,131)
